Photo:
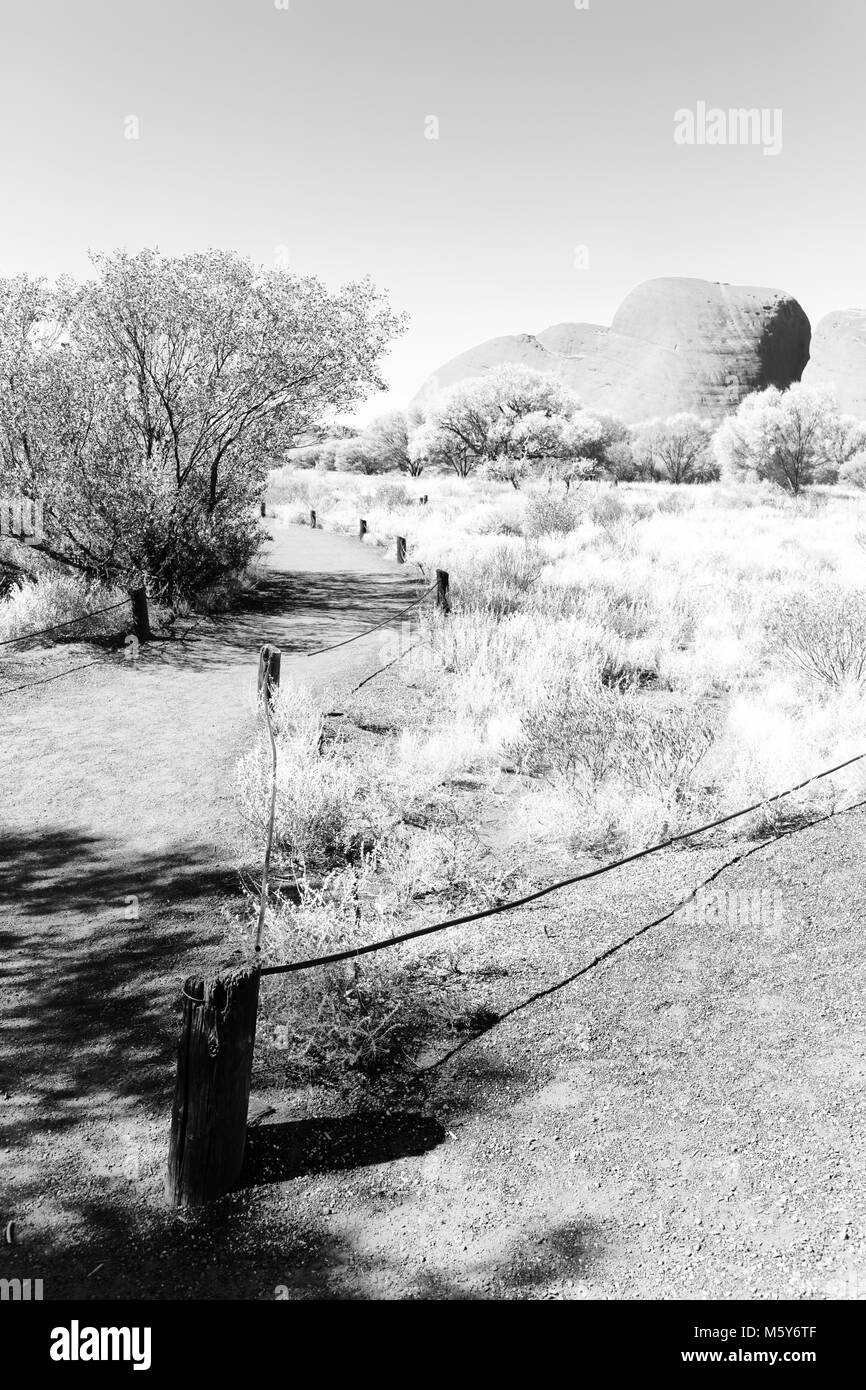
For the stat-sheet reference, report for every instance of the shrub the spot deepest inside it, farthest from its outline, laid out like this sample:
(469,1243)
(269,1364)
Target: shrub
(550,514)
(587,732)
(821,633)
(326,813)
(609,513)
(391,497)
(38,603)
(853,473)
(501,581)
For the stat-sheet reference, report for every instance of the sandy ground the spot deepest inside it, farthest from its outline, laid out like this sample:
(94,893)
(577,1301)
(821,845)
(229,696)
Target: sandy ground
(684,1120)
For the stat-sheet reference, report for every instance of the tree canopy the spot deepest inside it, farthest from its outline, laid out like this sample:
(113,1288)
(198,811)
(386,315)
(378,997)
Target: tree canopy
(145,406)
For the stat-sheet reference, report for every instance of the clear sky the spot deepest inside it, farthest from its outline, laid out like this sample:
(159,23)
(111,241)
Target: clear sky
(305,127)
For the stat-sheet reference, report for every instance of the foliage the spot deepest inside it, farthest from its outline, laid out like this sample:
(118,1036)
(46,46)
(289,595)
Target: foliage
(504,419)
(143,406)
(789,438)
(677,449)
(822,633)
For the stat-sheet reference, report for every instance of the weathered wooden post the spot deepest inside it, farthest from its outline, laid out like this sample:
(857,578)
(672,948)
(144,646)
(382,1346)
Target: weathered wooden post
(401,550)
(269,671)
(212,1090)
(140,614)
(312,518)
(362,529)
(442,600)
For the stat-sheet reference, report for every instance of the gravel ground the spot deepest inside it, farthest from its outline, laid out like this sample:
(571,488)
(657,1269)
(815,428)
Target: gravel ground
(683,1120)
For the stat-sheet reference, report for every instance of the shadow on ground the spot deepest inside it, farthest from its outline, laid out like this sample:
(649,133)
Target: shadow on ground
(277,1152)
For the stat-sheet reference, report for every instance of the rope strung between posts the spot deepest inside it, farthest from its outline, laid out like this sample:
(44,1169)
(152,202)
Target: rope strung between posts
(82,618)
(392,617)
(10,689)
(386,667)
(552,887)
(640,931)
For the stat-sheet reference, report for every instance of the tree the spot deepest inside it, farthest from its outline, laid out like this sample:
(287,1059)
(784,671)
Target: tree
(847,438)
(430,446)
(355,456)
(499,419)
(148,429)
(785,437)
(678,448)
(387,439)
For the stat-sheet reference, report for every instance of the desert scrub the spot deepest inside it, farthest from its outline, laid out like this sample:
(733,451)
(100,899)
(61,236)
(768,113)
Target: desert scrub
(585,734)
(501,580)
(550,514)
(343,1023)
(363,1021)
(54,598)
(821,633)
(327,810)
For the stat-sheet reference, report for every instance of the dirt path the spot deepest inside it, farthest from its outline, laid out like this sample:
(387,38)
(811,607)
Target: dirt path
(118,850)
(686,1120)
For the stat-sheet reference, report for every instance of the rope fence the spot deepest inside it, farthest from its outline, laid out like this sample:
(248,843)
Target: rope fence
(69,622)
(140,622)
(215,1053)
(392,617)
(386,942)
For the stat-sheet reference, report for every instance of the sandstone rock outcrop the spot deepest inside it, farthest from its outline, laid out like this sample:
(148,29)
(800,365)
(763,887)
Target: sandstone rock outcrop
(674,344)
(839,358)
(552,351)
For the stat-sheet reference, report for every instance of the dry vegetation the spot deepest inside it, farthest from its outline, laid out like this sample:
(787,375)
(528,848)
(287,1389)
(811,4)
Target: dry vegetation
(620,664)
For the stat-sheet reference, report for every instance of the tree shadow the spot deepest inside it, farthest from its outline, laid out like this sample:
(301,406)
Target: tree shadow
(90,992)
(297,611)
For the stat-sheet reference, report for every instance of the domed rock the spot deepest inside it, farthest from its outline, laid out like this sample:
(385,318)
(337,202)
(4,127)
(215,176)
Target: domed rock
(674,345)
(571,339)
(839,358)
(554,351)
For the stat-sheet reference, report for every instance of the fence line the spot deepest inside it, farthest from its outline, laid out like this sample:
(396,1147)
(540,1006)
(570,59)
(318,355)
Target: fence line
(392,617)
(69,622)
(386,942)
(10,689)
(627,941)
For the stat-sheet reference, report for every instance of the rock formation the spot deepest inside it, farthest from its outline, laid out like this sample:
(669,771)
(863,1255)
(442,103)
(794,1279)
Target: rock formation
(839,358)
(674,344)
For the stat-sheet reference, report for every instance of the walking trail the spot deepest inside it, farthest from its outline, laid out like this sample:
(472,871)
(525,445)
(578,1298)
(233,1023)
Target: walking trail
(119,848)
(687,1119)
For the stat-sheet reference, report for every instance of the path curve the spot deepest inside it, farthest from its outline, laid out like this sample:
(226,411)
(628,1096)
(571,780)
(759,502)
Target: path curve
(118,799)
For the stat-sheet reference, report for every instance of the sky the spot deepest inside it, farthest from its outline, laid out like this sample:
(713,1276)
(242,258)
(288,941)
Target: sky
(299,132)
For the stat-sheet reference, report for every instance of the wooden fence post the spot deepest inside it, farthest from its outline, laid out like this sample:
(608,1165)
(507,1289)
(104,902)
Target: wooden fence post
(312,518)
(442,600)
(140,614)
(212,1090)
(269,671)
(401,550)
(362,529)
